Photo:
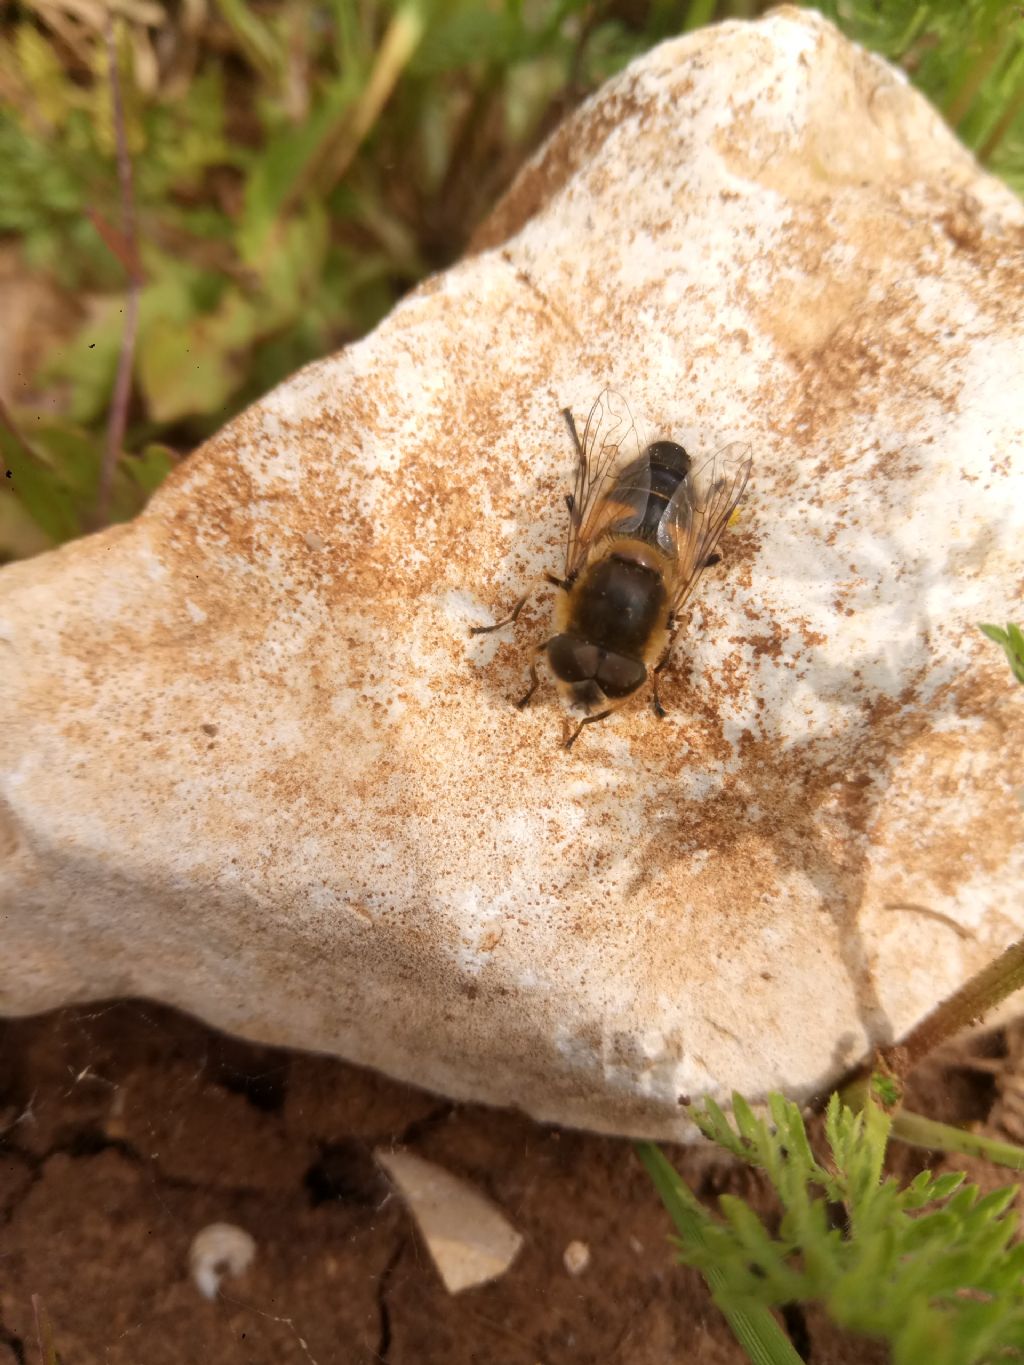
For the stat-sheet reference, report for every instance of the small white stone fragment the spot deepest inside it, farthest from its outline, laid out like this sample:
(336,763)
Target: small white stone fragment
(576,1257)
(471,1242)
(217,1250)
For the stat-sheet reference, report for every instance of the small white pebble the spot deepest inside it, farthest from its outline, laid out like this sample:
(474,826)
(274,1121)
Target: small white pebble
(217,1250)
(576,1257)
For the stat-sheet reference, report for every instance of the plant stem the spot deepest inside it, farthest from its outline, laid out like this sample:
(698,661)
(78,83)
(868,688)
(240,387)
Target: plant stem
(917,1131)
(1011,109)
(959,106)
(987,989)
(909,35)
(754,1327)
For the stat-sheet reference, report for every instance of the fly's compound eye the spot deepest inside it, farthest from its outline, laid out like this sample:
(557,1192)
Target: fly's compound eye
(618,676)
(576,662)
(573,660)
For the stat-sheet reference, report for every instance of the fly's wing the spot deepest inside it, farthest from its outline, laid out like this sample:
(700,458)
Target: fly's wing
(699,512)
(609,440)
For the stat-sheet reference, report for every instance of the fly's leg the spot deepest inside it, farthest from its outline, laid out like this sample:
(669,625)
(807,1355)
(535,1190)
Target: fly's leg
(534,679)
(570,422)
(659,710)
(564,583)
(486,630)
(567,743)
(671,626)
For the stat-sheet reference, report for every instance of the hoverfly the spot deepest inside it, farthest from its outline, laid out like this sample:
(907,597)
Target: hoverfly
(643,526)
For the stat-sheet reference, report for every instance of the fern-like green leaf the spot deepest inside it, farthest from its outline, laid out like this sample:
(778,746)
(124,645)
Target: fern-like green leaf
(931,1268)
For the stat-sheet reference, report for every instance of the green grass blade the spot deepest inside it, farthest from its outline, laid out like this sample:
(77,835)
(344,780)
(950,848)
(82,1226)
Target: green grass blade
(754,1326)
(698,14)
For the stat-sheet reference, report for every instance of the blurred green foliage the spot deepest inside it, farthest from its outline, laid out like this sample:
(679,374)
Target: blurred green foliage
(1012,641)
(967,56)
(297,165)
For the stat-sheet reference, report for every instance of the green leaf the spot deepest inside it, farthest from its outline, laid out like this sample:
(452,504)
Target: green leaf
(762,1252)
(194,332)
(714,1125)
(886,1089)
(296,263)
(470,35)
(37,485)
(185,370)
(50,91)
(945,1185)
(756,1330)
(58,484)
(20,535)
(945,1285)
(996,1202)
(790,1125)
(88,363)
(699,13)
(151,467)
(285,162)
(74,454)
(749,1126)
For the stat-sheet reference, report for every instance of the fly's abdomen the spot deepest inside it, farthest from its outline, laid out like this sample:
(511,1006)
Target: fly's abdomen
(644,489)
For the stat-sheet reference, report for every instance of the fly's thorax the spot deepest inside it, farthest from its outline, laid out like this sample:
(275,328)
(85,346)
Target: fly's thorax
(633,550)
(610,626)
(619,601)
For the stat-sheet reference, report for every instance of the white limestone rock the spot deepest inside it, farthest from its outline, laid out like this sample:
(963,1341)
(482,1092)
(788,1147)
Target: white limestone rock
(252,763)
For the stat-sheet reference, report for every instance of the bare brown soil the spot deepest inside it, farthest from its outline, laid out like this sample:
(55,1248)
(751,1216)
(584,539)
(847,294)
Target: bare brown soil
(125,1128)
